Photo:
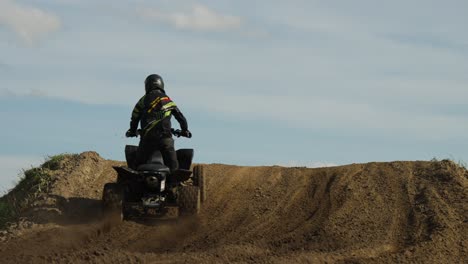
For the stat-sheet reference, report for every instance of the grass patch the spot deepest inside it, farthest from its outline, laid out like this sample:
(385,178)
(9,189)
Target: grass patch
(33,183)
(53,162)
(7,213)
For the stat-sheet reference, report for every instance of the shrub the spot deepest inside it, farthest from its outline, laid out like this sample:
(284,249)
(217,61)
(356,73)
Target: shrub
(7,213)
(53,162)
(31,185)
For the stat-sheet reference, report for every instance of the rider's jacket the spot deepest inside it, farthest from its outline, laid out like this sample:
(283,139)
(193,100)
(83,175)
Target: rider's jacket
(154,111)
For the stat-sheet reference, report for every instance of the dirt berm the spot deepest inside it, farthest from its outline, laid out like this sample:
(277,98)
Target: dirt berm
(398,212)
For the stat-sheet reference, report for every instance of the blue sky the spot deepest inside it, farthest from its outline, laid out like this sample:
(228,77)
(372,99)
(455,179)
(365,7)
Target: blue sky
(267,82)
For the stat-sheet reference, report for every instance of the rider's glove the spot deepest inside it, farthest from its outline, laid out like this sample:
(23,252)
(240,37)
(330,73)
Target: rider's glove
(186,133)
(130,133)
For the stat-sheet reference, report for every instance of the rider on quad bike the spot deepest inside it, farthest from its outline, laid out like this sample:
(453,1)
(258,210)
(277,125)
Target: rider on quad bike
(158,181)
(154,111)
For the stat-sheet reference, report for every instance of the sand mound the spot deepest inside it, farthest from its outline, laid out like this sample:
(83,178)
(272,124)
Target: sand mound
(399,212)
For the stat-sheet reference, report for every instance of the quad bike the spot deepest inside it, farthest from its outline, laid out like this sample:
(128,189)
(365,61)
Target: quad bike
(151,190)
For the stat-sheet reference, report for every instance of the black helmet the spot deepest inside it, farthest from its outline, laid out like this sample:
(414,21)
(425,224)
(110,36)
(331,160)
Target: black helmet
(153,82)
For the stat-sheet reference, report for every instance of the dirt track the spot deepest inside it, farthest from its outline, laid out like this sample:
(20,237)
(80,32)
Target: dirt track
(400,212)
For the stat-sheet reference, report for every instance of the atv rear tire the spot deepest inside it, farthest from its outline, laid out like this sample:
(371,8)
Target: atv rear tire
(112,202)
(199,180)
(189,200)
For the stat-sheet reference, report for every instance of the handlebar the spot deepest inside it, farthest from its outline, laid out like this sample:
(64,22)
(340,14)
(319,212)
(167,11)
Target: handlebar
(175,132)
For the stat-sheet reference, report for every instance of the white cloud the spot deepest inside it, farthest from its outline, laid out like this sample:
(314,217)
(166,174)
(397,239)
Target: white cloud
(28,92)
(199,18)
(331,113)
(336,71)
(29,23)
(37,93)
(7,92)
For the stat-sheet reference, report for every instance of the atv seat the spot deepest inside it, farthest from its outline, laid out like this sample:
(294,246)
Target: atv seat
(153,167)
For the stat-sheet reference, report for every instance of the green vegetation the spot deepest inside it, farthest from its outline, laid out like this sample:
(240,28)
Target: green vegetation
(7,213)
(33,183)
(53,162)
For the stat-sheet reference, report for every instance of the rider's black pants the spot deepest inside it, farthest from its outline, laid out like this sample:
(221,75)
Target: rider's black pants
(149,144)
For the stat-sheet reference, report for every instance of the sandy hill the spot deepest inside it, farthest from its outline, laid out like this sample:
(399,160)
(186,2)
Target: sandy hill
(398,212)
